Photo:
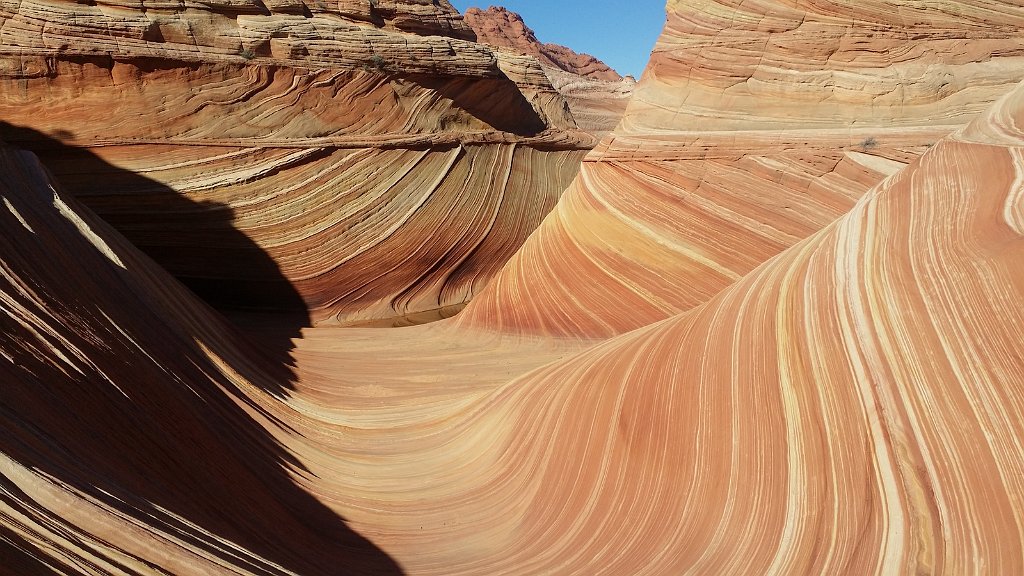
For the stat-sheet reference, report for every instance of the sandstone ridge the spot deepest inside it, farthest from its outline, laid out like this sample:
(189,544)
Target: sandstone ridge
(329,134)
(753,127)
(497,26)
(595,93)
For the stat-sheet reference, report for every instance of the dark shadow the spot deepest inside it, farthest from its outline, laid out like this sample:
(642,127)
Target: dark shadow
(110,387)
(196,242)
(496,101)
(25,558)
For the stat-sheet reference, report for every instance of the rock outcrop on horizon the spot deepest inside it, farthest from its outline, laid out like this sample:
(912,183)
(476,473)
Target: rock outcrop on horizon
(596,94)
(771,327)
(500,27)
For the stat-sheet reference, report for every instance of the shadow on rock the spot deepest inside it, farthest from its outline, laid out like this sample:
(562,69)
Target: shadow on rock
(497,101)
(196,242)
(121,388)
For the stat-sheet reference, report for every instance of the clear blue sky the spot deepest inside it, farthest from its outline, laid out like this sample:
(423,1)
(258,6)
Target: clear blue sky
(619,32)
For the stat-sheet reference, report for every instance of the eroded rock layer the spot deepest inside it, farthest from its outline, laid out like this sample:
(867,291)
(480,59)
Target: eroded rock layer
(596,105)
(134,440)
(342,237)
(817,395)
(852,406)
(755,125)
(596,94)
(328,141)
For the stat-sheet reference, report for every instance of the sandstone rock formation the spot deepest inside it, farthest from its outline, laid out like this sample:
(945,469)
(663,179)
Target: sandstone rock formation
(132,438)
(497,26)
(331,136)
(852,406)
(597,106)
(596,94)
(738,345)
(754,127)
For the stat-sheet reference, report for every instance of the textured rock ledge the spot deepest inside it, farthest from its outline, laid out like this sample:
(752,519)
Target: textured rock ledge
(270,111)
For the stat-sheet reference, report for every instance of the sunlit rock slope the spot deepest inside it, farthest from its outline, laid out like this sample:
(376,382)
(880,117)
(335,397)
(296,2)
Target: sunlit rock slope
(738,345)
(852,406)
(755,125)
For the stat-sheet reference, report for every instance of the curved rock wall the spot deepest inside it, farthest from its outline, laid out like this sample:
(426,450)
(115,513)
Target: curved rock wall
(755,125)
(133,441)
(332,142)
(851,406)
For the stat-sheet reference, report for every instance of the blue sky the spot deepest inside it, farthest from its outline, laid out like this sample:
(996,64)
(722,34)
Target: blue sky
(619,32)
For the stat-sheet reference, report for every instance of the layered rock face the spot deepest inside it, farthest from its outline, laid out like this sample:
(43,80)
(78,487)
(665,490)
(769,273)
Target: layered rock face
(754,126)
(852,406)
(736,346)
(331,137)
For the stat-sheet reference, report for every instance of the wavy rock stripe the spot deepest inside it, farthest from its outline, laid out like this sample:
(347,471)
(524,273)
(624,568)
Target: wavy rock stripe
(665,235)
(347,228)
(755,125)
(852,406)
(733,65)
(318,169)
(144,99)
(818,428)
(297,183)
(849,407)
